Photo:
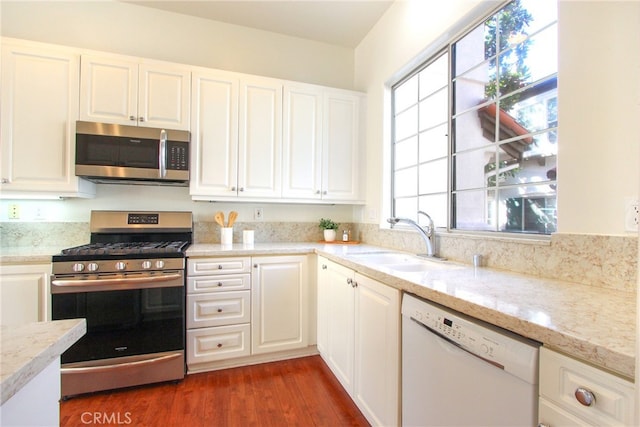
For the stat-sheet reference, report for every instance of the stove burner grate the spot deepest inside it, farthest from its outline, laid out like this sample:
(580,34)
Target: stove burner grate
(127,248)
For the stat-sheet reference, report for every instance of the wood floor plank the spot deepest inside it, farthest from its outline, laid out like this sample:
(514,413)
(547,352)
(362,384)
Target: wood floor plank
(296,392)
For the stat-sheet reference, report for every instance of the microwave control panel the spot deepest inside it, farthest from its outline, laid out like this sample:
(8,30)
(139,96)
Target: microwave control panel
(177,155)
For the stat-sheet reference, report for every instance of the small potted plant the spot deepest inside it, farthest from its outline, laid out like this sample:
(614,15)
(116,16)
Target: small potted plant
(329,228)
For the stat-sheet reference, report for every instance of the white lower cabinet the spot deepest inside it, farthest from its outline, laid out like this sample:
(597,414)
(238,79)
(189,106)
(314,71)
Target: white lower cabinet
(24,293)
(243,306)
(218,309)
(573,393)
(279,303)
(359,339)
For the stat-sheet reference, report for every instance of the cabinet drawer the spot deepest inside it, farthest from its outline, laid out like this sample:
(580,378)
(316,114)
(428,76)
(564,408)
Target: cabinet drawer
(217,309)
(218,343)
(209,266)
(221,283)
(562,376)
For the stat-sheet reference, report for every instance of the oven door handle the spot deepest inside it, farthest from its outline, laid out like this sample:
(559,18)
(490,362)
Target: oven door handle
(121,283)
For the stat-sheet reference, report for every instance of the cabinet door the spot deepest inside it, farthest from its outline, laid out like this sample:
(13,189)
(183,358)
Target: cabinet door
(279,303)
(39,110)
(302,142)
(164,96)
(377,351)
(341,146)
(214,134)
(340,326)
(260,139)
(24,295)
(109,90)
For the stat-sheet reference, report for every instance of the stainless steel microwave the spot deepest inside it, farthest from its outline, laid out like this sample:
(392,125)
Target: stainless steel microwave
(109,153)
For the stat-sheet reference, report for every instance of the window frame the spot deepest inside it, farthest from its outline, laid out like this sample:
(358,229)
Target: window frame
(445,45)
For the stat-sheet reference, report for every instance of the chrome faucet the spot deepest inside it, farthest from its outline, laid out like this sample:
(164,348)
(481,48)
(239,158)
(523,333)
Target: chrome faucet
(427,233)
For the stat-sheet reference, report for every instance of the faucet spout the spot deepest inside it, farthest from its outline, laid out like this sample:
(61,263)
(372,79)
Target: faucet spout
(426,234)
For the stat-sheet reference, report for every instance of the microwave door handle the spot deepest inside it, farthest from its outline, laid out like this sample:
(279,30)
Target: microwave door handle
(163,153)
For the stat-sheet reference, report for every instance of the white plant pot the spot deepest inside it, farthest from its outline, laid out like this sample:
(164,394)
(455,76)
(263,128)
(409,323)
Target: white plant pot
(329,235)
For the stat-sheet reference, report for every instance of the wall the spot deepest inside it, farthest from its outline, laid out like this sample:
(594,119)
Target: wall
(129,29)
(598,102)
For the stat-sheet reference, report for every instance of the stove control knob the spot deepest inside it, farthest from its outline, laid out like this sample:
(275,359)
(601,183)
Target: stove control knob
(146,265)
(160,264)
(93,266)
(121,265)
(78,267)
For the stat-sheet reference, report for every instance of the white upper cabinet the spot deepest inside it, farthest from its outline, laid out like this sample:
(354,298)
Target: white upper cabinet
(236,136)
(39,109)
(302,142)
(127,91)
(341,157)
(321,144)
(214,134)
(260,138)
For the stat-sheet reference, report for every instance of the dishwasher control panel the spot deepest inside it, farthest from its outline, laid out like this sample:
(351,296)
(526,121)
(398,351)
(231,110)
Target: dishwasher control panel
(460,332)
(497,346)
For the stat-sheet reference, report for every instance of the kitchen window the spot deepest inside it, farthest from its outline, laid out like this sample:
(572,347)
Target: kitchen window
(475,127)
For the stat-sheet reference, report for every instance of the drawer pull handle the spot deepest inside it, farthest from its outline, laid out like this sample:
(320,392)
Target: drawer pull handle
(585,396)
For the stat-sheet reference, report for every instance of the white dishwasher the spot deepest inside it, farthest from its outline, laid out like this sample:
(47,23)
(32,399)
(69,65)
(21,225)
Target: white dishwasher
(459,371)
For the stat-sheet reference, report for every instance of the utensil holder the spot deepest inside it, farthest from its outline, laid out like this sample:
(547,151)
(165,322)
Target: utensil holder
(226,235)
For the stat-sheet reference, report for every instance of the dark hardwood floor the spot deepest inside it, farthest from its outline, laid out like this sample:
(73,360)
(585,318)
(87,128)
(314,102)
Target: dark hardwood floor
(297,392)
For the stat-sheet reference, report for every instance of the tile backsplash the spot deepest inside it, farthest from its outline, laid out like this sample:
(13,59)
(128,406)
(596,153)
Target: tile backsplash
(597,260)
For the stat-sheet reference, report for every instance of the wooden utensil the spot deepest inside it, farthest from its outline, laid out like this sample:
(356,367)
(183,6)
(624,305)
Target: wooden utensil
(232,218)
(219,217)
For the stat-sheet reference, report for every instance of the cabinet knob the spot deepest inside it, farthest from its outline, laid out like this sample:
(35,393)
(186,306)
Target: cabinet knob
(255,265)
(219,345)
(132,118)
(233,188)
(349,281)
(585,396)
(219,283)
(324,266)
(241,189)
(219,266)
(317,191)
(219,310)
(6,181)
(324,192)
(141,119)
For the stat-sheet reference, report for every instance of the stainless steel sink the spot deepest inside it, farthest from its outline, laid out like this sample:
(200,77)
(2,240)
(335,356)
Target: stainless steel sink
(420,266)
(401,262)
(383,258)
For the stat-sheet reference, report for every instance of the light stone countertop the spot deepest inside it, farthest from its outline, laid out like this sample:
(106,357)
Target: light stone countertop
(29,348)
(28,255)
(590,323)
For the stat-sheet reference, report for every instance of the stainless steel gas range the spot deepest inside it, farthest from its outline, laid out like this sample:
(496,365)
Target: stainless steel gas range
(129,283)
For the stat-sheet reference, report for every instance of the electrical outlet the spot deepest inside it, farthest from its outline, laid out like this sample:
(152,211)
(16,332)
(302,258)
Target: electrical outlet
(14,211)
(258,214)
(632,214)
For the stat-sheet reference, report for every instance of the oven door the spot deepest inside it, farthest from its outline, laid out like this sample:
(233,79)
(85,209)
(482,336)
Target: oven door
(127,314)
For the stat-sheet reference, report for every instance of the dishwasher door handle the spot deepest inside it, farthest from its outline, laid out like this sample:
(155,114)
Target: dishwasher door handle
(455,344)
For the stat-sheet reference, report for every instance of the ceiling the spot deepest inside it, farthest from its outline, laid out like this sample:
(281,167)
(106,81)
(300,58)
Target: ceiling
(336,22)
